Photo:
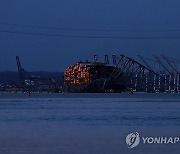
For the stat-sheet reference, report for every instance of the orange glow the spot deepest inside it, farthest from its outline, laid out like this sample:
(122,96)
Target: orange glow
(77,74)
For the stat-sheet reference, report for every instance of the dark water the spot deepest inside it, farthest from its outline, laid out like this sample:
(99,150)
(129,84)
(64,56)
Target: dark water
(86,123)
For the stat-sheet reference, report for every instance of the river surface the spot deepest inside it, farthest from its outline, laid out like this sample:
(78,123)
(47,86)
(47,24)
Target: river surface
(87,123)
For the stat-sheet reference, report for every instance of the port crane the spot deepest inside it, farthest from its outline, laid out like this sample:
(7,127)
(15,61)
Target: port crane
(34,82)
(21,71)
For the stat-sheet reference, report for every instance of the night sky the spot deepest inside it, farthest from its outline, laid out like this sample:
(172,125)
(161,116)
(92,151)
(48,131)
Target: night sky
(49,35)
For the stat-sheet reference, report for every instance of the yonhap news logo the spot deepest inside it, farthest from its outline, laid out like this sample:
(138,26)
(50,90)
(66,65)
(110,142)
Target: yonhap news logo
(134,139)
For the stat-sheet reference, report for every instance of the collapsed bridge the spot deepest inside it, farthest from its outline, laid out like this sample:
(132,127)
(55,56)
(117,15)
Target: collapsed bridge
(124,74)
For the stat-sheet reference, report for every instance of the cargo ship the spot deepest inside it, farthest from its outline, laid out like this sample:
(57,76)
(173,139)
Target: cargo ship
(91,77)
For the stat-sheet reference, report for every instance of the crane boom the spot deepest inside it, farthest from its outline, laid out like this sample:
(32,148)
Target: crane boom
(20,69)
